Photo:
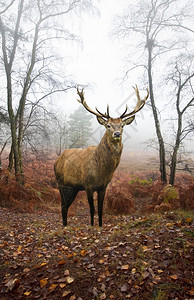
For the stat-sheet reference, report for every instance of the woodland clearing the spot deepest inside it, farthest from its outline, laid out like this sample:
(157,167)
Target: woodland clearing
(143,252)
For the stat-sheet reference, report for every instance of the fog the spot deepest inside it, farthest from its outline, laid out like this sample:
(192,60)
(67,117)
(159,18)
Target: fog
(98,61)
(100,64)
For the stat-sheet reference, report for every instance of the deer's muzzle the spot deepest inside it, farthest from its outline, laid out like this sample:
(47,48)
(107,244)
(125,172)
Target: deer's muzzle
(117,134)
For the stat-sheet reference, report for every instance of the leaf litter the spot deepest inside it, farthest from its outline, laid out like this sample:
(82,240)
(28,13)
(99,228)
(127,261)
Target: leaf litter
(130,257)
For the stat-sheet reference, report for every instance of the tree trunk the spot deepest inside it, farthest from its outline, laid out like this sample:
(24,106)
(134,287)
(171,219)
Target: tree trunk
(177,143)
(10,166)
(173,166)
(156,119)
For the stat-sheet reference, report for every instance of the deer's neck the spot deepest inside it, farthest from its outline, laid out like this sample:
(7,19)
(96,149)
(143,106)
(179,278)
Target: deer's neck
(110,151)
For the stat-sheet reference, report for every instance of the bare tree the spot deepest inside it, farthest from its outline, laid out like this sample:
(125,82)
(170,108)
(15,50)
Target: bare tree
(4,132)
(153,21)
(182,78)
(27,29)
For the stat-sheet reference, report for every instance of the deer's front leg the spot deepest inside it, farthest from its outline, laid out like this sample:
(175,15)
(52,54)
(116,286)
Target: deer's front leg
(101,194)
(91,203)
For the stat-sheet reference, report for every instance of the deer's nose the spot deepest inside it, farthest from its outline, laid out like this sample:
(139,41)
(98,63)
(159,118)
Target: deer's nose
(117,134)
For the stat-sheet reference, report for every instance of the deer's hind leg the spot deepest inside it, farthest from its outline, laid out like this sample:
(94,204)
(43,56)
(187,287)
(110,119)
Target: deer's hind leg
(68,195)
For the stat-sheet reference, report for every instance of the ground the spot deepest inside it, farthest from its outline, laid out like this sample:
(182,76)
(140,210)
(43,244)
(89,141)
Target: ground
(130,257)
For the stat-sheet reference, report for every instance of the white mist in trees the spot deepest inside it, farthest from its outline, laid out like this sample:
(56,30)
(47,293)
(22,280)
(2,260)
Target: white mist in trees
(182,79)
(31,69)
(155,31)
(80,128)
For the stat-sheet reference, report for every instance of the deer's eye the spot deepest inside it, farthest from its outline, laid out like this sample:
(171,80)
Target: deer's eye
(122,125)
(108,125)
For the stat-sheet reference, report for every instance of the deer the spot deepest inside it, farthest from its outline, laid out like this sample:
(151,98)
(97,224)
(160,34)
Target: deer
(92,169)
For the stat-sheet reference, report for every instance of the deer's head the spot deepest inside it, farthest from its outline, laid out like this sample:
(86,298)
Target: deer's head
(114,126)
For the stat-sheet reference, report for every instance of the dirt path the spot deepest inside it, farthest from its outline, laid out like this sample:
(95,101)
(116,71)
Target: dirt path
(129,258)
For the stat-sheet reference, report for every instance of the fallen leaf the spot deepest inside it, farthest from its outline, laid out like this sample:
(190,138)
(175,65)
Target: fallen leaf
(103,296)
(84,253)
(26,270)
(61,262)
(40,266)
(169,224)
(72,297)
(101,261)
(62,285)
(3,245)
(175,277)
(19,249)
(125,267)
(103,287)
(65,293)
(124,288)
(145,274)
(66,273)
(133,271)
(156,277)
(69,280)
(189,220)
(191,292)
(145,248)
(108,248)
(52,287)
(95,291)
(12,283)
(63,279)
(27,293)
(43,282)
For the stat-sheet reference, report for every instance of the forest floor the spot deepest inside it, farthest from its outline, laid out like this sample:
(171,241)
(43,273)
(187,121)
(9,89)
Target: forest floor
(130,257)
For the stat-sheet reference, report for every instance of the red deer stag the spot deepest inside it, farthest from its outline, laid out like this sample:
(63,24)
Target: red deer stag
(91,169)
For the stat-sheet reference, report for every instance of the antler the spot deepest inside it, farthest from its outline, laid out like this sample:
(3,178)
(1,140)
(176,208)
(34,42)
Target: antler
(83,102)
(140,104)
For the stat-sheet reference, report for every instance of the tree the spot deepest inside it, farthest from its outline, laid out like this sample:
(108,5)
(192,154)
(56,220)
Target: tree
(31,72)
(182,79)
(153,23)
(61,131)
(4,132)
(79,128)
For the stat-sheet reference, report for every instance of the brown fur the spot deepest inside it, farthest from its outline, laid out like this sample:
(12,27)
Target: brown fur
(89,168)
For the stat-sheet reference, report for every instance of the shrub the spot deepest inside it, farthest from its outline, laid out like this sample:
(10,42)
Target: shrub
(119,200)
(140,187)
(137,180)
(25,198)
(186,193)
(169,195)
(168,199)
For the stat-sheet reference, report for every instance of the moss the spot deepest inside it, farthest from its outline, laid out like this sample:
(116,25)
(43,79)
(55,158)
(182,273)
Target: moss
(144,182)
(170,193)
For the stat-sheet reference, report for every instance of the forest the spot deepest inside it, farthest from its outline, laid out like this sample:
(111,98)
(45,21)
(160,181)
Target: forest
(53,53)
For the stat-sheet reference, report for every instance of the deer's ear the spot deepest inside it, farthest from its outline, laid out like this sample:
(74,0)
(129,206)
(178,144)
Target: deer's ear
(102,121)
(129,120)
